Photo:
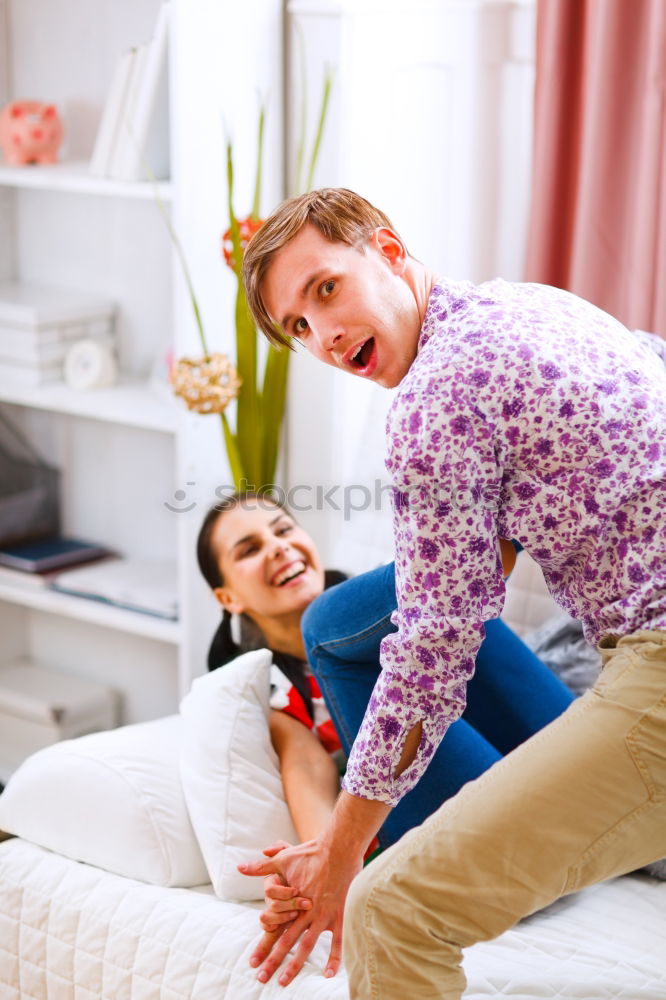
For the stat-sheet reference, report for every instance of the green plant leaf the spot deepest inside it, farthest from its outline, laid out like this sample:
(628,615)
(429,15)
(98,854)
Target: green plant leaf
(234,230)
(256,203)
(180,253)
(325,97)
(235,463)
(248,417)
(248,412)
(274,398)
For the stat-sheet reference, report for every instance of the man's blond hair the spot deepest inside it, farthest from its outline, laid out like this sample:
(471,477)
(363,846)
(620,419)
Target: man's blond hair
(340,215)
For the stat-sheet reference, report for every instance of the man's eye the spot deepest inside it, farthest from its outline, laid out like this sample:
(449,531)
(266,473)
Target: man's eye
(300,326)
(327,288)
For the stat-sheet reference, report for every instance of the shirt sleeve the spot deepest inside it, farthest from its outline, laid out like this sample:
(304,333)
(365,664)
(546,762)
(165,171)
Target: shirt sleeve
(447,482)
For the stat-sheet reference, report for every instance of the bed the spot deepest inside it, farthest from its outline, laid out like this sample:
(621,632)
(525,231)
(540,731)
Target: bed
(69,930)
(109,904)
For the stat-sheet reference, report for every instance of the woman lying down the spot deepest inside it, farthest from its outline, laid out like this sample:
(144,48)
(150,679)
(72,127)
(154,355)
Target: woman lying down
(265,569)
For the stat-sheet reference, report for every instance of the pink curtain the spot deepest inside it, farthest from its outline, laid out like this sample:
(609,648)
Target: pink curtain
(598,216)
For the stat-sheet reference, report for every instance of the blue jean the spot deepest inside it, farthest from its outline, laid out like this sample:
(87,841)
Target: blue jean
(510,697)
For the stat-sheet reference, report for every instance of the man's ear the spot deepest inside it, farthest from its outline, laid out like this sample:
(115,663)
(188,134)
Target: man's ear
(229,601)
(391,247)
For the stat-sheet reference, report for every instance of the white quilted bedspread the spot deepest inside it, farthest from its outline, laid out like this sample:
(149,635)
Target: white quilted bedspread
(103,936)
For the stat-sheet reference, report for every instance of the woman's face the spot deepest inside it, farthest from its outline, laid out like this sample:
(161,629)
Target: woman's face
(270,566)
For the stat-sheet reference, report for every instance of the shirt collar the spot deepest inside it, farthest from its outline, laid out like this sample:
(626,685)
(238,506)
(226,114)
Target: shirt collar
(436,313)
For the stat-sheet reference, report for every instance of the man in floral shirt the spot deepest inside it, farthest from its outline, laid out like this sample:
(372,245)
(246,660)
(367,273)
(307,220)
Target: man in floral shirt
(522,412)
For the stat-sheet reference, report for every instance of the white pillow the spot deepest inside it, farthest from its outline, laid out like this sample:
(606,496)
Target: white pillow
(230,772)
(112,799)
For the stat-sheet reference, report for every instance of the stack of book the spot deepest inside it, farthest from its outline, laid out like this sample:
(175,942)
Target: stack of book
(85,569)
(133,137)
(38,325)
(36,563)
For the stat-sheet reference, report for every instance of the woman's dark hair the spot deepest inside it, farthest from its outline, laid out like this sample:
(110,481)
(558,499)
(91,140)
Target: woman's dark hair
(223,647)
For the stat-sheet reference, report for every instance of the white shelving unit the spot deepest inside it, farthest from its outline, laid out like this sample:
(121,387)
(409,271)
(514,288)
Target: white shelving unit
(131,401)
(138,471)
(75,177)
(148,626)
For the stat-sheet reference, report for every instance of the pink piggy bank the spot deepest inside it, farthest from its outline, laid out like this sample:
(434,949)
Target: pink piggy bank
(30,132)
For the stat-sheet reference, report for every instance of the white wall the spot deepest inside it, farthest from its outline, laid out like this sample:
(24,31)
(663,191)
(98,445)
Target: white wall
(7,214)
(431,119)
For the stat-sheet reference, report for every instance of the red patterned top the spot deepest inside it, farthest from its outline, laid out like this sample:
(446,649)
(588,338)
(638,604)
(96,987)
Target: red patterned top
(285,698)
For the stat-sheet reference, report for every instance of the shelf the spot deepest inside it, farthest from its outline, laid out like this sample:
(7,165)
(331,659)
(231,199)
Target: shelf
(133,403)
(74,177)
(95,612)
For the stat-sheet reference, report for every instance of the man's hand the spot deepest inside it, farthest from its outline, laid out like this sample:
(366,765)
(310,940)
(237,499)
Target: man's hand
(320,870)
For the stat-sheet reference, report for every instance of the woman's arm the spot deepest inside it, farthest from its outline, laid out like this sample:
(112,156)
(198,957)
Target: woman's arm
(311,785)
(309,774)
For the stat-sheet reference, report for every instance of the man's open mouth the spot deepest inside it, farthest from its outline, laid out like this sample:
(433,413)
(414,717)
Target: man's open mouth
(361,358)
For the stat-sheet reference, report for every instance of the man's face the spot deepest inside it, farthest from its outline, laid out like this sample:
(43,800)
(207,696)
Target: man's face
(352,309)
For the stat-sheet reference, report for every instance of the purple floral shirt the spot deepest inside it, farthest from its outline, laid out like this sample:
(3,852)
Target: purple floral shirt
(528,414)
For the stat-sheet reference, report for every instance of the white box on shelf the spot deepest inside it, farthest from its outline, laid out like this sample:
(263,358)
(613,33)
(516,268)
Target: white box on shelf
(51,313)
(40,706)
(24,373)
(39,324)
(32,348)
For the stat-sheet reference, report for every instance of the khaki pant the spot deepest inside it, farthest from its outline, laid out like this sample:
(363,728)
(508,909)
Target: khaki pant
(583,800)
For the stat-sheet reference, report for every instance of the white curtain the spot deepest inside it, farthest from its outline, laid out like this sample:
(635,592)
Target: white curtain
(430,119)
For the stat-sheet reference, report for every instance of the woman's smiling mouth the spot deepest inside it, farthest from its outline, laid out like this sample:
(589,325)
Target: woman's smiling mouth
(288,573)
